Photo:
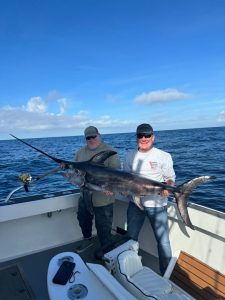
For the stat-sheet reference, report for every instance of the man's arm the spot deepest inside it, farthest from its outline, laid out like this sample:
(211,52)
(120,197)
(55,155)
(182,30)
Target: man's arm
(168,174)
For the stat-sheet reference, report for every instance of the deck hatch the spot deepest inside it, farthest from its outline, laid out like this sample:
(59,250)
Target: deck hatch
(14,285)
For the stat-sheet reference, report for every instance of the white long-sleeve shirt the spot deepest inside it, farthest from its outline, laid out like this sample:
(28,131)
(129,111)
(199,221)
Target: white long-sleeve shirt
(154,164)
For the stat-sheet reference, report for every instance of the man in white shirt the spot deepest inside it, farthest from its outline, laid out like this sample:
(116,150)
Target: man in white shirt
(155,164)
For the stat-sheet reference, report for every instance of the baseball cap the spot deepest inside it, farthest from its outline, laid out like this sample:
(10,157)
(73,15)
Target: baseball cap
(90,131)
(144,128)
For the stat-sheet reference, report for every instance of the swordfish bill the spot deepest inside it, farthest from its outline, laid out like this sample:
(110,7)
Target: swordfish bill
(95,176)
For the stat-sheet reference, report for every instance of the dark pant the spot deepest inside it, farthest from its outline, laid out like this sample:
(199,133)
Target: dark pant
(103,223)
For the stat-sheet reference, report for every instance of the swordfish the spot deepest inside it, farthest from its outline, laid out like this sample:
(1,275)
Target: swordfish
(93,175)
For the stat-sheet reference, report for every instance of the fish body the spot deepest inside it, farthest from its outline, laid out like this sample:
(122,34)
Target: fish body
(93,175)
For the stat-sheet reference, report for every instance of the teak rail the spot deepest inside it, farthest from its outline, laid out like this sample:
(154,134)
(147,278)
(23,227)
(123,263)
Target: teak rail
(197,278)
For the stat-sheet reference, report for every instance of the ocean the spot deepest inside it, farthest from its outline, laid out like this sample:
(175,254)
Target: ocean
(195,152)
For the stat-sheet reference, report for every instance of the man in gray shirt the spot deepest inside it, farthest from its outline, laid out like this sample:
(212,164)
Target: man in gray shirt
(97,204)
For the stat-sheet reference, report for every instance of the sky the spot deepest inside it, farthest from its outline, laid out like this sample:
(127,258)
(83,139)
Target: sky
(65,65)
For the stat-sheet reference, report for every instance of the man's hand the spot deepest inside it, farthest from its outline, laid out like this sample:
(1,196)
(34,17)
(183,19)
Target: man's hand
(108,193)
(165,193)
(63,166)
(125,193)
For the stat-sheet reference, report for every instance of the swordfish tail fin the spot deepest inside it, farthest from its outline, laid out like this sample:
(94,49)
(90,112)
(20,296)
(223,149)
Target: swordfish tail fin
(182,195)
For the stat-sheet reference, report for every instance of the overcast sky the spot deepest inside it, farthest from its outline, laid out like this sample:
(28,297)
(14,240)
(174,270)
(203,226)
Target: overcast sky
(110,63)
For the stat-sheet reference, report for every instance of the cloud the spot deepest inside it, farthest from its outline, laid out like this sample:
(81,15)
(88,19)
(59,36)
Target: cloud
(53,95)
(159,96)
(62,105)
(53,102)
(36,104)
(35,119)
(221,117)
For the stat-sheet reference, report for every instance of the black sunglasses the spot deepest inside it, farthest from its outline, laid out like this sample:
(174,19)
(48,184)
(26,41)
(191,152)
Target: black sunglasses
(88,138)
(141,135)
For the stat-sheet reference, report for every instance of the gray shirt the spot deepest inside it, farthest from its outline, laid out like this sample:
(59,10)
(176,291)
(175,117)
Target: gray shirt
(84,154)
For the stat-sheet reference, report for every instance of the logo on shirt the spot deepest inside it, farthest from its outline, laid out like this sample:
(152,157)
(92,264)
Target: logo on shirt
(153,164)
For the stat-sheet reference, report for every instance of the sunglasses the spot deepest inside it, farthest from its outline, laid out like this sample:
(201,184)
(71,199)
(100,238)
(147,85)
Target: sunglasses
(88,138)
(141,135)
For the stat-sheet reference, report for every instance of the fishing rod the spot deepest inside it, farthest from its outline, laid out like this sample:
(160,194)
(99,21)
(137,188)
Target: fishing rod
(26,179)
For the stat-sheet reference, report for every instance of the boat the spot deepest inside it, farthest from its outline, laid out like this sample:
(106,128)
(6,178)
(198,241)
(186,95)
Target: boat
(37,231)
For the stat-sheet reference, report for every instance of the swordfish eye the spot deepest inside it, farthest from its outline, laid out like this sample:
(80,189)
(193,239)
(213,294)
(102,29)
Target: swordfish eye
(76,172)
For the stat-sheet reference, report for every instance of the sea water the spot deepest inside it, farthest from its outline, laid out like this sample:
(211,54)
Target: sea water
(195,152)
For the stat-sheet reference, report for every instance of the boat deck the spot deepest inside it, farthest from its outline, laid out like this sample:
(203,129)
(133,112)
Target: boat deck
(33,270)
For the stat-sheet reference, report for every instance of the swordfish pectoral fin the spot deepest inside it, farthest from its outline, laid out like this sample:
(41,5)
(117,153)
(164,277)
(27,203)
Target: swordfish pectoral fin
(183,193)
(94,187)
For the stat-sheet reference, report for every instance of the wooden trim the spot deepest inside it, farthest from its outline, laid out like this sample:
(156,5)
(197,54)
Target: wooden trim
(197,278)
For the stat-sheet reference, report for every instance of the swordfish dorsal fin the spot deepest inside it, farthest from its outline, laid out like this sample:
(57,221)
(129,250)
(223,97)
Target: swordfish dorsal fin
(100,157)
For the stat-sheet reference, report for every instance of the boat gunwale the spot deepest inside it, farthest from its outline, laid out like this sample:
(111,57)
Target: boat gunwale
(24,199)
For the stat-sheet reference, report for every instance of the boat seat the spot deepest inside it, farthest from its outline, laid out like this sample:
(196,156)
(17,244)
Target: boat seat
(141,281)
(110,258)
